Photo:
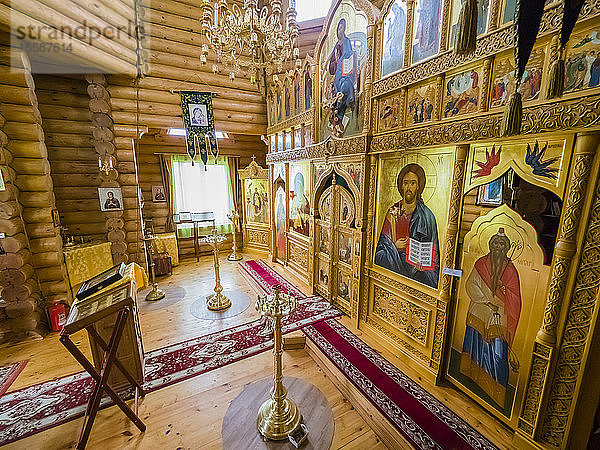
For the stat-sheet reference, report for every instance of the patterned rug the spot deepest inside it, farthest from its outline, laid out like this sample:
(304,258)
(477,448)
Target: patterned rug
(422,419)
(45,405)
(9,373)
(265,278)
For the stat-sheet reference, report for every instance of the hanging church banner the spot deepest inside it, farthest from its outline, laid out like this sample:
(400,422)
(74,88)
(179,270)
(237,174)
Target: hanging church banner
(542,162)
(199,122)
(412,214)
(500,302)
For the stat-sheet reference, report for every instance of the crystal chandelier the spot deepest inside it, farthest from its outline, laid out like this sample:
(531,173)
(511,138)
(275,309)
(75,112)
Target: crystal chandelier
(251,39)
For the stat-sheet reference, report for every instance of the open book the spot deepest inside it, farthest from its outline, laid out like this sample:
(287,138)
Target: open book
(420,253)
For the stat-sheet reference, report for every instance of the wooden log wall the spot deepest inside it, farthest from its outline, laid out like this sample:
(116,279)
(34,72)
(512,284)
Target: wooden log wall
(35,238)
(112,47)
(172,50)
(64,104)
(240,146)
(309,32)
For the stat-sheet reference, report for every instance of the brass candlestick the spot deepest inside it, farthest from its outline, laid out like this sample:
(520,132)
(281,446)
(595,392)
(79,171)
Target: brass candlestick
(155,293)
(279,415)
(234,217)
(216,301)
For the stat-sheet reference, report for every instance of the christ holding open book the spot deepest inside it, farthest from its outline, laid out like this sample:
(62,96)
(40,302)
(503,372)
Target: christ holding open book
(408,243)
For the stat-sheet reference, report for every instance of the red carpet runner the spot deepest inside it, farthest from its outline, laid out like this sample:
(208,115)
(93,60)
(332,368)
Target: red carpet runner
(45,405)
(422,419)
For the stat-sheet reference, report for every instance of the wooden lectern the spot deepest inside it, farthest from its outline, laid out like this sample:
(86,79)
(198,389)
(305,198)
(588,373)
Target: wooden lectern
(111,320)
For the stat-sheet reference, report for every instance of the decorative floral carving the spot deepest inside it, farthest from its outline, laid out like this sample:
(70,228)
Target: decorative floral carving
(260,237)
(328,148)
(534,391)
(562,259)
(575,113)
(298,255)
(403,343)
(304,117)
(411,318)
(415,293)
(576,334)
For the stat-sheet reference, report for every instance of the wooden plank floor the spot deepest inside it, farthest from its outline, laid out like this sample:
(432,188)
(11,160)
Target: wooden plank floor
(460,403)
(188,414)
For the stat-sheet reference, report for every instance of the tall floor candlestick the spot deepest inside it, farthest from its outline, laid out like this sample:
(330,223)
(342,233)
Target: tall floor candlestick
(155,293)
(278,416)
(216,301)
(234,217)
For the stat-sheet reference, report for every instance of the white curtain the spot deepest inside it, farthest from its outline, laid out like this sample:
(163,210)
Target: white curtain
(201,188)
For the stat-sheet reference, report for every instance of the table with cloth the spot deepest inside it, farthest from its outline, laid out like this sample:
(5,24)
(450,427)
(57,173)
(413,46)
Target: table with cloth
(166,243)
(85,261)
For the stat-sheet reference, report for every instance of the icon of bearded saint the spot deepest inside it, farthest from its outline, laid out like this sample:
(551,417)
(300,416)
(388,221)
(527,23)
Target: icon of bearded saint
(410,221)
(494,290)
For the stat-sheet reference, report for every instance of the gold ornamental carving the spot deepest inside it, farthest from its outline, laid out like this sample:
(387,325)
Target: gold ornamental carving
(258,237)
(303,118)
(298,255)
(579,113)
(253,170)
(535,389)
(494,42)
(415,293)
(328,148)
(576,335)
(565,244)
(402,343)
(411,318)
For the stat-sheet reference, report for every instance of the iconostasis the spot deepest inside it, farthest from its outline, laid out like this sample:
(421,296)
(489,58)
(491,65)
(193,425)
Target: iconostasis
(455,247)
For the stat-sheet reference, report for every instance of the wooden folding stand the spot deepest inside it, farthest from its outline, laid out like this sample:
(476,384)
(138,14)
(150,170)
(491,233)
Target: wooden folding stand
(89,314)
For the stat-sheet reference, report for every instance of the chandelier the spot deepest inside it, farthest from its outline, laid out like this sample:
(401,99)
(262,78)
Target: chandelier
(252,39)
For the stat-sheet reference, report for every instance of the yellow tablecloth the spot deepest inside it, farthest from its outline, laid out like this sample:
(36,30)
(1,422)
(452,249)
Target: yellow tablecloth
(167,242)
(86,261)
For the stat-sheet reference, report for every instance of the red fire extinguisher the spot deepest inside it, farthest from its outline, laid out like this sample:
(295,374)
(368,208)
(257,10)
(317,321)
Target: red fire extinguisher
(58,316)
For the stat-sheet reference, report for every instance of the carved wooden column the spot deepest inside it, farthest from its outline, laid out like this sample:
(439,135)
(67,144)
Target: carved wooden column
(370,185)
(439,95)
(486,82)
(494,20)
(445,30)
(586,146)
(578,350)
(402,108)
(368,123)
(449,256)
(410,20)
(103,139)
(316,101)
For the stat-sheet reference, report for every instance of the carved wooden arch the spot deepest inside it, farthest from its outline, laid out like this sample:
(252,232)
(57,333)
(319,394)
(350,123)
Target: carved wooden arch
(385,10)
(278,182)
(321,189)
(320,185)
(346,176)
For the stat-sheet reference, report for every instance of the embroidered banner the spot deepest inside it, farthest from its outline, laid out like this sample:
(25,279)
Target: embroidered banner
(199,122)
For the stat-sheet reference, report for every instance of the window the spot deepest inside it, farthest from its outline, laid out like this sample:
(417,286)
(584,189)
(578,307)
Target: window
(201,188)
(311,9)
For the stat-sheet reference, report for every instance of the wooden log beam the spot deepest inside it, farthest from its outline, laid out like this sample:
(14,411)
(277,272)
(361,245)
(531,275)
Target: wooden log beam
(81,52)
